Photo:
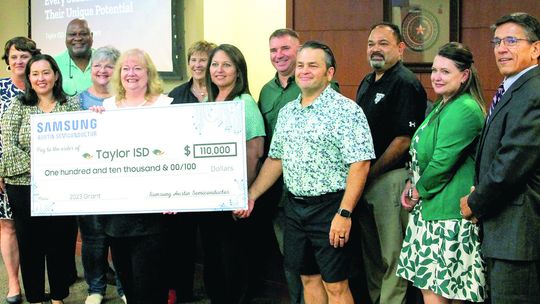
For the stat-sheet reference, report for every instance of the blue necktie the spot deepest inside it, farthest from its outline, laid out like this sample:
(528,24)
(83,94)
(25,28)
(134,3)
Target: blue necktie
(496,98)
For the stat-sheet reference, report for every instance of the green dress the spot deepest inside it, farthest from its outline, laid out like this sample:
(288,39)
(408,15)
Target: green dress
(441,255)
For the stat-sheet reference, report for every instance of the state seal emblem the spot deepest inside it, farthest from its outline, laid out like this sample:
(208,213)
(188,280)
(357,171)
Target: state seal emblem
(420,29)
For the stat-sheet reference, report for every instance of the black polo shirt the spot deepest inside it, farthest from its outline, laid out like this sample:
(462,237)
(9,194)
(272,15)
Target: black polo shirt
(394,106)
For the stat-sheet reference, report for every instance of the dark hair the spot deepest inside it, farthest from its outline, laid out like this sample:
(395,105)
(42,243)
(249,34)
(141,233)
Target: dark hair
(393,27)
(463,59)
(284,32)
(22,44)
(30,97)
(529,24)
(328,55)
(241,85)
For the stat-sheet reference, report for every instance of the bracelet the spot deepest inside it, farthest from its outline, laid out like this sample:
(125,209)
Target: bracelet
(414,199)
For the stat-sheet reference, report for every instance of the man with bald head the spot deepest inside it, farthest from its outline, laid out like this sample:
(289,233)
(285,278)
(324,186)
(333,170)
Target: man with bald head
(74,62)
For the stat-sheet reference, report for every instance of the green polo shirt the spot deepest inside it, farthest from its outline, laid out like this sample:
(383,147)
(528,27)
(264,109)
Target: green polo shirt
(273,97)
(74,81)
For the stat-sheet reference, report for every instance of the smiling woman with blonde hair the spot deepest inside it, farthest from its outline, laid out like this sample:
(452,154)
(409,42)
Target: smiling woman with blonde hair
(136,81)
(137,240)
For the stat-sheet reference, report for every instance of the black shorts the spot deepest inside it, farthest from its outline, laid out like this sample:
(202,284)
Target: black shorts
(307,248)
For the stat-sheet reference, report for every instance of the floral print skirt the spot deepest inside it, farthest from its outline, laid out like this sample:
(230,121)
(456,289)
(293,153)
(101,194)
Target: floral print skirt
(443,256)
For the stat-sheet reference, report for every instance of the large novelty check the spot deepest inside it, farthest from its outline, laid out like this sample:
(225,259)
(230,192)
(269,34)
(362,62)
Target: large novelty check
(176,158)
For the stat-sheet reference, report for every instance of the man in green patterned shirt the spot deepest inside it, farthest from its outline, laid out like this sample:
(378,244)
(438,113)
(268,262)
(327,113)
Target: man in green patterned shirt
(323,147)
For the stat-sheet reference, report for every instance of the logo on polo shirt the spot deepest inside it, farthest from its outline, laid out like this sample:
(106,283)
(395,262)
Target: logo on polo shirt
(412,124)
(378,97)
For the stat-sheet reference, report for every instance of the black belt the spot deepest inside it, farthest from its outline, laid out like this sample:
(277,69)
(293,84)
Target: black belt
(316,199)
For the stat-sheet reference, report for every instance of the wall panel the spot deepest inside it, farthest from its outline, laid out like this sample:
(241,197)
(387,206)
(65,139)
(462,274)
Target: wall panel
(345,25)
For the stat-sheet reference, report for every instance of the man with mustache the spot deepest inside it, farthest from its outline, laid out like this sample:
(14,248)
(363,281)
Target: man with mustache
(394,102)
(74,62)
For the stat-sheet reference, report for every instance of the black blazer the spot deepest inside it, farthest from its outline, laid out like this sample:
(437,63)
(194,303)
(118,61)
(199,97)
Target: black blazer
(507,194)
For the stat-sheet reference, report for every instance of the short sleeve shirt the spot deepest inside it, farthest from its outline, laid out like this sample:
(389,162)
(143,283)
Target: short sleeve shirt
(88,100)
(272,99)
(74,81)
(254,120)
(394,105)
(317,143)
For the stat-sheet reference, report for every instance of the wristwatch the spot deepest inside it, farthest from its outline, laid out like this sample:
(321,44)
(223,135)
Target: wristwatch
(344,212)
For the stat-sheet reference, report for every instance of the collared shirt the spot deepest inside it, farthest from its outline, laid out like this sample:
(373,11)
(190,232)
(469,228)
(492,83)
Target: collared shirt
(318,143)
(74,81)
(15,165)
(274,97)
(394,105)
(510,80)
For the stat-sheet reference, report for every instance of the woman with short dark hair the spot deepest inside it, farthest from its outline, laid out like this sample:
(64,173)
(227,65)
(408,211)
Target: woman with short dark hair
(137,240)
(195,89)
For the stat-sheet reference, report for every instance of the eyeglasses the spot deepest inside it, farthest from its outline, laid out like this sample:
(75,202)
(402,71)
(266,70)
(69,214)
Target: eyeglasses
(508,41)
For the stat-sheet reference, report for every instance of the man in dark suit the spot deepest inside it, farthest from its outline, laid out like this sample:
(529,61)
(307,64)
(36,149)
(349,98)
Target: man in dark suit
(506,197)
